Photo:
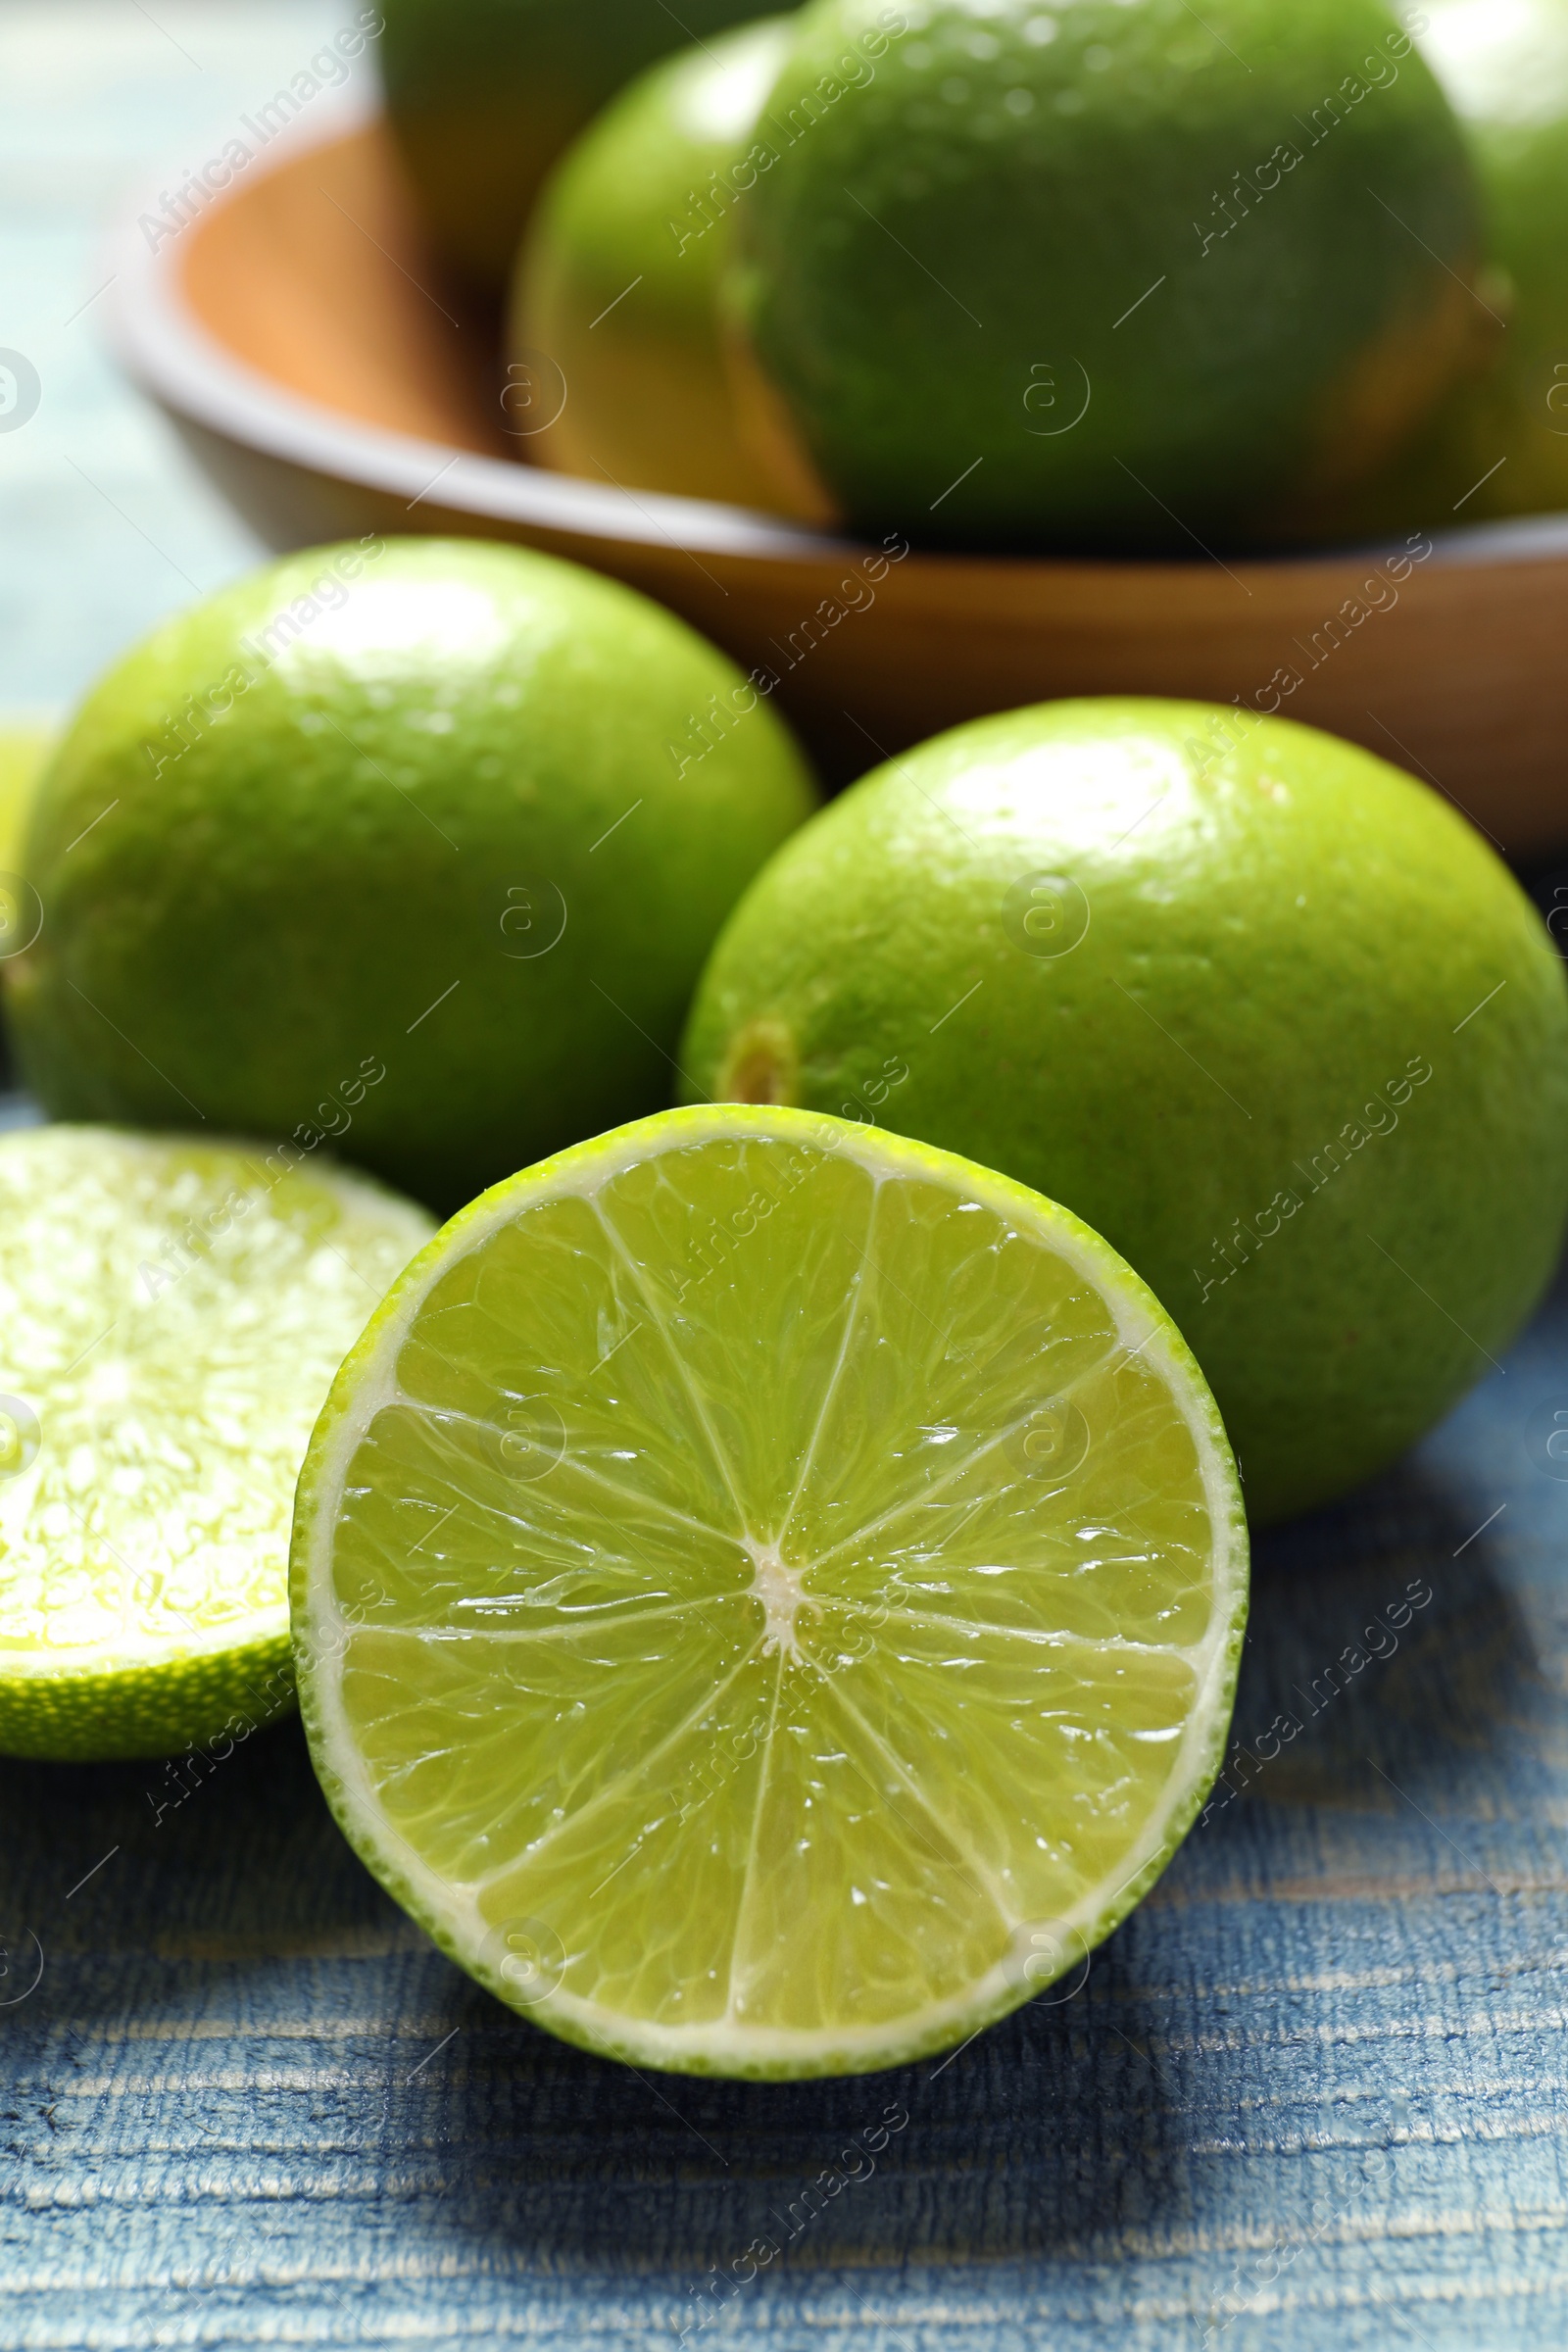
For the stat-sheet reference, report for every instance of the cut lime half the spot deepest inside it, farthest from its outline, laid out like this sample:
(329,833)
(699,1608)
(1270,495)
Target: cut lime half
(172,1313)
(768,1594)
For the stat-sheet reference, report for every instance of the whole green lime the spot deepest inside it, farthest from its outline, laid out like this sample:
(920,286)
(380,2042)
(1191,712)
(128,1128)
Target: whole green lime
(617,278)
(1263,1011)
(483,96)
(1498,443)
(417,845)
(1101,275)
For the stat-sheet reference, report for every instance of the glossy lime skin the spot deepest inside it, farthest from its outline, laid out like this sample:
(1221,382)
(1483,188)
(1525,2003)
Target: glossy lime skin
(446,830)
(25,748)
(483,96)
(617,278)
(1498,443)
(1204,1033)
(1120,277)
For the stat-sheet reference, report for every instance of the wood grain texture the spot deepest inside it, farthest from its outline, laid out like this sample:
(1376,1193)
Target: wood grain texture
(1312,2093)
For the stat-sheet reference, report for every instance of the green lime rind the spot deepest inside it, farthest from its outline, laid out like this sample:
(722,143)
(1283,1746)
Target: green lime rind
(1179,266)
(1497,443)
(418,843)
(617,278)
(171,1312)
(724,2049)
(189,1698)
(483,96)
(1287,987)
(26,741)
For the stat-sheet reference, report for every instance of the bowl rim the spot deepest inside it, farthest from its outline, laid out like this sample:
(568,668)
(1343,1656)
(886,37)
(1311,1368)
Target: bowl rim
(161,341)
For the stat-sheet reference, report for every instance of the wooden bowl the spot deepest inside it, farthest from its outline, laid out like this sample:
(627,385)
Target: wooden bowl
(333,384)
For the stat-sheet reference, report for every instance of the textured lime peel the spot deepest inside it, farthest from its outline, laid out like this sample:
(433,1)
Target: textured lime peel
(171,1316)
(767,1594)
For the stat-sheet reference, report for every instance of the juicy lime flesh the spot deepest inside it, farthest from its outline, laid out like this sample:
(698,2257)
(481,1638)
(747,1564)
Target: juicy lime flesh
(792,1588)
(171,1318)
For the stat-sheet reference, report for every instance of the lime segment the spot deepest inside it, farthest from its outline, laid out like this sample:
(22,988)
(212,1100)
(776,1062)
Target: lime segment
(767,1594)
(171,1317)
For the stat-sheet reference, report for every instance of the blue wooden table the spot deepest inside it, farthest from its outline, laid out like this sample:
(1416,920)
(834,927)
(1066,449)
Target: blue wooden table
(105,524)
(1312,2093)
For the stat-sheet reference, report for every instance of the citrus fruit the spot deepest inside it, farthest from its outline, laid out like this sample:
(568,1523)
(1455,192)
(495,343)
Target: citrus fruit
(24,747)
(618,279)
(767,1595)
(484,94)
(1498,443)
(1107,276)
(172,1314)
(467,814)
(1264,1010)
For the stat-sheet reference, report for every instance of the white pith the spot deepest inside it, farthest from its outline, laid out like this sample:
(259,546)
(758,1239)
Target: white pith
(727,2044)
(779,1589)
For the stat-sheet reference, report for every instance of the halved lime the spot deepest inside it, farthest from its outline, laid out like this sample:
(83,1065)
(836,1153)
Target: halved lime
(172,1313)
(768,1594)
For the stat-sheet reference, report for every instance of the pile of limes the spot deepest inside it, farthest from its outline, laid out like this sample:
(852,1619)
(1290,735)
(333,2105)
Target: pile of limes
(1073,274)
(767,1575)
(768,1581)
